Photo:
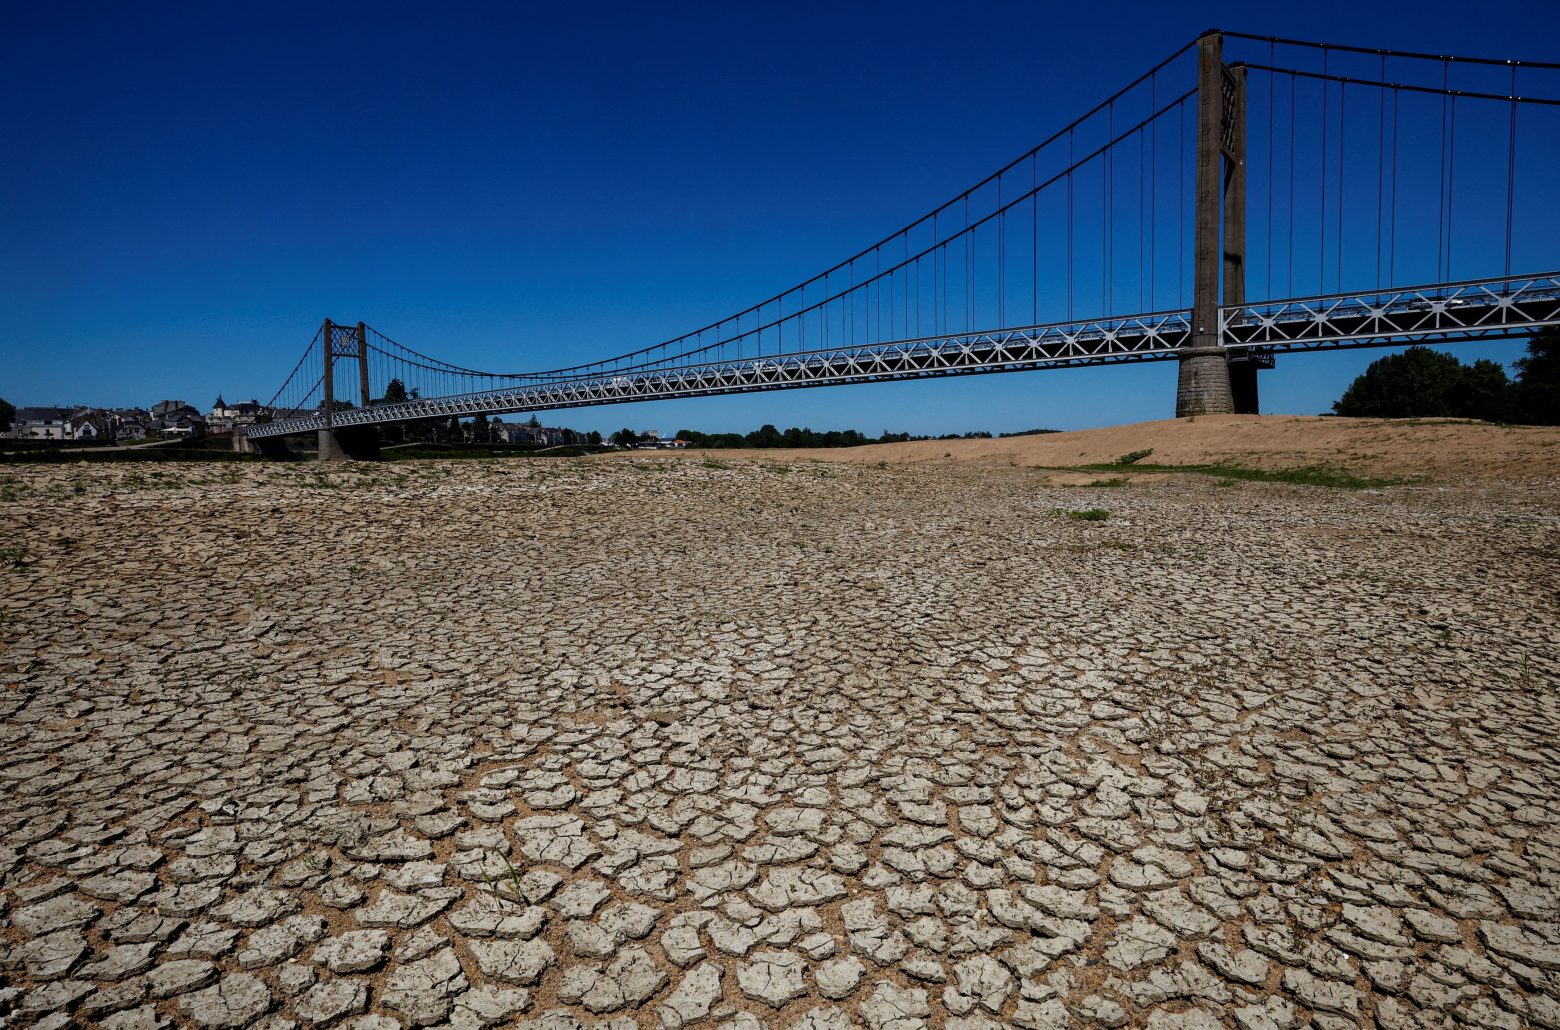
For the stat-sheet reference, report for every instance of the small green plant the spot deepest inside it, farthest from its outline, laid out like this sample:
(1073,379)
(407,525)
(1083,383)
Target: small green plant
(13,557)
(711,463)
(518,892)
(1114,481)
(1088,514)
(1133,457)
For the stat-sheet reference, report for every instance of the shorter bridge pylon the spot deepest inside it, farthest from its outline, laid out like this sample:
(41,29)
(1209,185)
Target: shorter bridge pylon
(341,341)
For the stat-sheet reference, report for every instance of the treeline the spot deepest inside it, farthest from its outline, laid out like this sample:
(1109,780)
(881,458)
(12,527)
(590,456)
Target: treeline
(1424,383)
(769,436)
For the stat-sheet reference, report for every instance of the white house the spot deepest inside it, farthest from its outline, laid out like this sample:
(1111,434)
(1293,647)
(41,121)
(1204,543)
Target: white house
(42,423)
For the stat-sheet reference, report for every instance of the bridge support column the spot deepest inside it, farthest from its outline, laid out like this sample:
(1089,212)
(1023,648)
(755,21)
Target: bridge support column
(273,448)
(330,447)
(1203,386)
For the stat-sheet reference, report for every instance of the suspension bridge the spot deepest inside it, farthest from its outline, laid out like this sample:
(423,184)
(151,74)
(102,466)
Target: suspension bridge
(1373,197)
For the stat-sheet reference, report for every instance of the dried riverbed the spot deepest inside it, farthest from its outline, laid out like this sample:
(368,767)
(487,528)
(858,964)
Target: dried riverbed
(760,743)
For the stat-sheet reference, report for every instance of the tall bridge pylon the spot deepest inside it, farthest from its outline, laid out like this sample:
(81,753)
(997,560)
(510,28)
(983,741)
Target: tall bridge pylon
(1204,386)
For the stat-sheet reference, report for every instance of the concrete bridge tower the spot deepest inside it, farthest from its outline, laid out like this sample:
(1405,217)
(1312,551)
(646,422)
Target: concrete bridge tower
(1210,383)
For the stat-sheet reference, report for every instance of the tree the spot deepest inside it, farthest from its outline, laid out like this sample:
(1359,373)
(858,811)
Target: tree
(624,438)
(7,414)
(1535,396)
(593,438)
(395,392)
(1483,393)
(1422,383)
(764,436)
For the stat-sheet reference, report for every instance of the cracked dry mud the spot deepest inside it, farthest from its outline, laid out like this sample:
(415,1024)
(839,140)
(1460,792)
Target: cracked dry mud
(670,743)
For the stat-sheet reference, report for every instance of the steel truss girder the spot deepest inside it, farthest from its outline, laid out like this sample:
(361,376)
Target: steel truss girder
(1447,312)
(1134,338)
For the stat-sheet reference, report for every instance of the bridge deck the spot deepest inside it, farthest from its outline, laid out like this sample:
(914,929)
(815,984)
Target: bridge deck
(1475,310)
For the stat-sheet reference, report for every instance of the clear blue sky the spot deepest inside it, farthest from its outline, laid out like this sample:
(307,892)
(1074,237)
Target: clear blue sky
(188,188)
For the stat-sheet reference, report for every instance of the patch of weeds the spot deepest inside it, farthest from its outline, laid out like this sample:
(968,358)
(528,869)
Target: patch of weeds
(1308,475)
(13,557)
(1084,514)
(1225,482)
(711,463)
(1133,457)
(1112,482)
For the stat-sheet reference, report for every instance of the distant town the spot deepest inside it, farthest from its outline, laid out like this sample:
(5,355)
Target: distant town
(176,419)
(172,420)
